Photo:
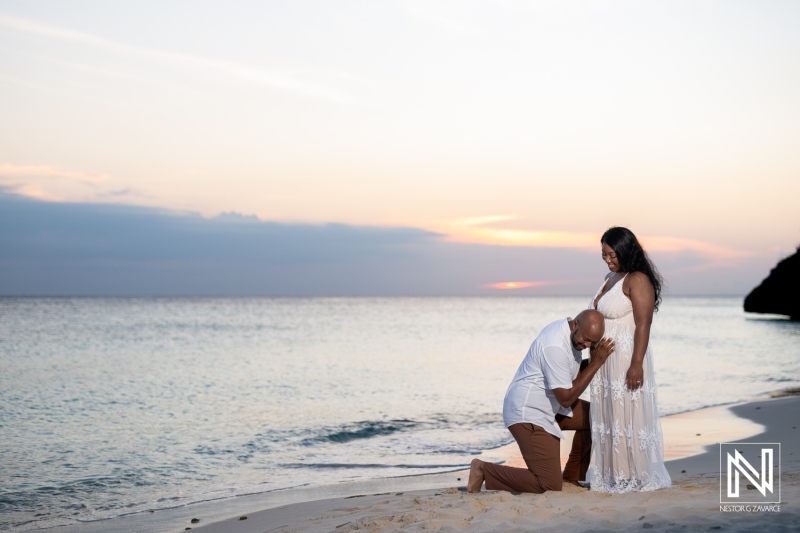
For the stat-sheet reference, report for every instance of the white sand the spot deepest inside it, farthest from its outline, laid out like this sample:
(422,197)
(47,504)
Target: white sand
(692,504)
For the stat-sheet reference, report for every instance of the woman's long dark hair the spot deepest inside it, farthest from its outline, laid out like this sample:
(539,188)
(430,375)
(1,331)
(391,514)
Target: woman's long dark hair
(632,257)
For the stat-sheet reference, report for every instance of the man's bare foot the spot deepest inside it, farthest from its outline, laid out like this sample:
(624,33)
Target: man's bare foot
(475,476)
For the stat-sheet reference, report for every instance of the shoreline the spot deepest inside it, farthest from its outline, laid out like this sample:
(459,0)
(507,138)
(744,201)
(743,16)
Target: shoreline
(689,451)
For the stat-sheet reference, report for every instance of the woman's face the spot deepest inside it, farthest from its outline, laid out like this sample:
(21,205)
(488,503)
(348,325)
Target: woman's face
(610,258)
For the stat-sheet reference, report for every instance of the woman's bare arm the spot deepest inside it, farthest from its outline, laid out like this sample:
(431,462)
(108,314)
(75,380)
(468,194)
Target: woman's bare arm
(642,296)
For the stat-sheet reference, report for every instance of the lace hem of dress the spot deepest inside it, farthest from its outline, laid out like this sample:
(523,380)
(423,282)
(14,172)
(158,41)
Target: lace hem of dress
(621,484)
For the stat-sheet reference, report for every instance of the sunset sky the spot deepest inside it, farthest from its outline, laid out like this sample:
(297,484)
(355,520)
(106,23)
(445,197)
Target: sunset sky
(516,130)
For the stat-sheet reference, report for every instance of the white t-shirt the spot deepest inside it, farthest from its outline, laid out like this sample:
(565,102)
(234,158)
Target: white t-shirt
(551,363)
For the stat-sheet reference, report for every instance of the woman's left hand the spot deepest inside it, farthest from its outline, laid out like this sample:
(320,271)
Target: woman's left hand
(635,377)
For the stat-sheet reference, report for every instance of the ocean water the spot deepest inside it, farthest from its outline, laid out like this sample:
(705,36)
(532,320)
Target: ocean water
(111,406)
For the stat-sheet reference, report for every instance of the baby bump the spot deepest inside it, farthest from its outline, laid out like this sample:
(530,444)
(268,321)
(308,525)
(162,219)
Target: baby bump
(621,332)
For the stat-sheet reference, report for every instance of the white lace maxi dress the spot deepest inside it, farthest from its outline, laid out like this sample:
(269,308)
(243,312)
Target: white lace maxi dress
(627,443)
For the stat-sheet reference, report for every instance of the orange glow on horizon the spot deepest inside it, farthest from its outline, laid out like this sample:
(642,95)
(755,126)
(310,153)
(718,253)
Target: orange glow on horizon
(473,231)
(676,244)
(505,285)
(515,237)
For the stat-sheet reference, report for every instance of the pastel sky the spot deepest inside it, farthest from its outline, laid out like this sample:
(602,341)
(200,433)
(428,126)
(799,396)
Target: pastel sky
(525,125)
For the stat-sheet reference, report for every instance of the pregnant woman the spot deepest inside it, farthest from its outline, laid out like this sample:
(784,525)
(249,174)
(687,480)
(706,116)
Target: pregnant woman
(627,444)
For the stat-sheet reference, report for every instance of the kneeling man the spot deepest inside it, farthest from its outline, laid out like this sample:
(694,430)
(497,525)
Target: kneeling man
(542,400)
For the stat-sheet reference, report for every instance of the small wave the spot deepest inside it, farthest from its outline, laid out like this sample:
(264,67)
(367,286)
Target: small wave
(458,451)
(205,449)
(362,430)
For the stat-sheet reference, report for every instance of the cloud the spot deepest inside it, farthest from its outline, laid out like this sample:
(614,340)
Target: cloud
(85,248)
(475,230)
(260,76)
(704,249)
(96,249)
(55,184)
(46,182)
(490,230)
(9,171)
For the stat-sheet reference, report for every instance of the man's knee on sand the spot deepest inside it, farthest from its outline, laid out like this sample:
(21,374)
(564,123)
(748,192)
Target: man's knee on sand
(555,485)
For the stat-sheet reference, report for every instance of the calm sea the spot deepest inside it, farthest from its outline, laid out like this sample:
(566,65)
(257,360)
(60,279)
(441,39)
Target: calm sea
(110,406)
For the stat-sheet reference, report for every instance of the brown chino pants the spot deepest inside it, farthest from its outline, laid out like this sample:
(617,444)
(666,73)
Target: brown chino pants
(541,452)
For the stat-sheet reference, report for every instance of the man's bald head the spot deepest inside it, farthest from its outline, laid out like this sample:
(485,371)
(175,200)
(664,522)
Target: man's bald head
(587,329)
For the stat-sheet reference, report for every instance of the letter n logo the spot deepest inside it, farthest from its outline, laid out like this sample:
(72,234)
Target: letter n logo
(740,462)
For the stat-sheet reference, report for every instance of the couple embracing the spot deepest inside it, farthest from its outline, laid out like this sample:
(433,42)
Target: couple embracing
(618,440)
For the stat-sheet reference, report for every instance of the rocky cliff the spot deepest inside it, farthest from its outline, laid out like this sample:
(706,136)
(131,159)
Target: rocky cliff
(780,292)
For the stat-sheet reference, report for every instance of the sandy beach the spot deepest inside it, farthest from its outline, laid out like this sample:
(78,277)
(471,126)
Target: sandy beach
(692,504)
